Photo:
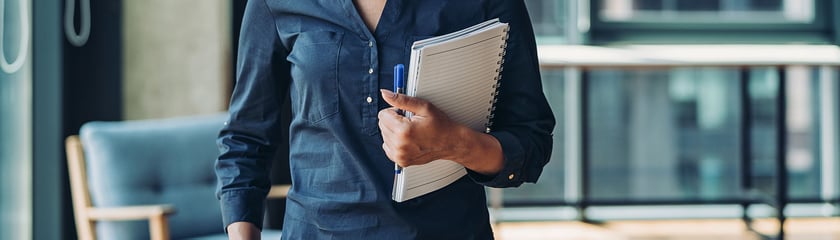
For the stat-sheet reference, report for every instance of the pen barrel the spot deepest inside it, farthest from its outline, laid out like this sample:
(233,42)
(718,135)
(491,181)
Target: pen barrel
(400,90)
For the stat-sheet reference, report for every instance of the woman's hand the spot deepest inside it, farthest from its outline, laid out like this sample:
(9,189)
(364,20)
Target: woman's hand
(430,135)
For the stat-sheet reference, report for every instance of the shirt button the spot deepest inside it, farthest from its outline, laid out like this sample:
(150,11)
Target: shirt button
(370,71)
(369,99)
(510,177)
(370,43)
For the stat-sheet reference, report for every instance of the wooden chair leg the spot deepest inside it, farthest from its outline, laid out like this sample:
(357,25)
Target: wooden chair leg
(86,230)
(159,228)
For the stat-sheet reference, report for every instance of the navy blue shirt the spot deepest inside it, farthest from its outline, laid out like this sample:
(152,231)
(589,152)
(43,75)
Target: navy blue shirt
(323,55)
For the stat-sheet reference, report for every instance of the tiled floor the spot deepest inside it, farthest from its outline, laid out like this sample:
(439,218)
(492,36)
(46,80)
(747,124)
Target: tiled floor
(724,229)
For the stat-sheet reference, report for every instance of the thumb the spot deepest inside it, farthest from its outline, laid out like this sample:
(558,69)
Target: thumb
(405,102)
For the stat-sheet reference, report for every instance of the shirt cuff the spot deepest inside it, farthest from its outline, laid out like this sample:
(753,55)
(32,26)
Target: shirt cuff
(243,206)
(511,173)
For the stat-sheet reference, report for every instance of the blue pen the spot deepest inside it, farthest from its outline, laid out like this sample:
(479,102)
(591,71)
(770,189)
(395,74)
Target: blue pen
(399,87)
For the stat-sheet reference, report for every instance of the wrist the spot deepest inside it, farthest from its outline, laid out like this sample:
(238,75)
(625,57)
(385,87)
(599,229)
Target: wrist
(243,231)
(462,143)
(477,151)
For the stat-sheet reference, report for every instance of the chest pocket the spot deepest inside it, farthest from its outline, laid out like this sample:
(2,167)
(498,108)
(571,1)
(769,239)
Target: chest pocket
(314,58)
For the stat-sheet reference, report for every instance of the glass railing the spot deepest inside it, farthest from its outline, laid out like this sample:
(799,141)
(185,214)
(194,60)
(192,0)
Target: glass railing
(750,126)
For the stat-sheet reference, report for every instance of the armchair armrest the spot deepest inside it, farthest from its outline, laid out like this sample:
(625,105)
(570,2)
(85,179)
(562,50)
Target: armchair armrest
(158,226)
(129,212)
(279,191)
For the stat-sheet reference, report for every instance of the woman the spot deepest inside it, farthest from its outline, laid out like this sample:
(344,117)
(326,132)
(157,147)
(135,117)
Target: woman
(333,57)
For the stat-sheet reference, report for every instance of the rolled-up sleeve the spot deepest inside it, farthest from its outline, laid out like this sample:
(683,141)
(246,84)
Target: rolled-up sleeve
(249,140)
(523,120)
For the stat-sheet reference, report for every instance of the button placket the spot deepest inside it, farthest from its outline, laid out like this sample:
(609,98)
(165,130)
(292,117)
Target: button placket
(370,113)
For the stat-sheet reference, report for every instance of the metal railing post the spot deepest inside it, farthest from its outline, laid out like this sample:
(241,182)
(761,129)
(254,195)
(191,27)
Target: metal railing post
(573,121)
(828,137)
(746,143)
(781,151)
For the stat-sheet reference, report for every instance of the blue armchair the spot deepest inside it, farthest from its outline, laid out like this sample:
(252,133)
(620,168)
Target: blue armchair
(155,170)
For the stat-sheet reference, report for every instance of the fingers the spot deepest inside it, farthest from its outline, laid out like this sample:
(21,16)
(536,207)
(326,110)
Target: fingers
(389,124)
(390,120)
(404,102)
(387,150)
(399,154)
(411,141)
(392,153)
(393,128)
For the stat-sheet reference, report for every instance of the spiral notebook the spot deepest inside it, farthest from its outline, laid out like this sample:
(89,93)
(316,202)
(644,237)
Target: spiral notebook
(459,73)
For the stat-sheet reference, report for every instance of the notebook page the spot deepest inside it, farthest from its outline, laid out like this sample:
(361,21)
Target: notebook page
(422,179)
(450,36)
(452,76)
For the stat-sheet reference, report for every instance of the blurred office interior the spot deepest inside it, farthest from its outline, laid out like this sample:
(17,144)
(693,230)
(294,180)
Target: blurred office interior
(672,114)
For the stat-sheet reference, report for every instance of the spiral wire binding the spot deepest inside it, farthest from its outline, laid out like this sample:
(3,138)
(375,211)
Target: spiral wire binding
(498,79)
(17,64)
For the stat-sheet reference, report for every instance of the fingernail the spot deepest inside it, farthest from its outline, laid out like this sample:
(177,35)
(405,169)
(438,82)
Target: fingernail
(388,93)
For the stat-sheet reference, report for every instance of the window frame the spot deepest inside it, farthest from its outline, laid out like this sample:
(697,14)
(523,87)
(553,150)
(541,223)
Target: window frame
(822,30)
